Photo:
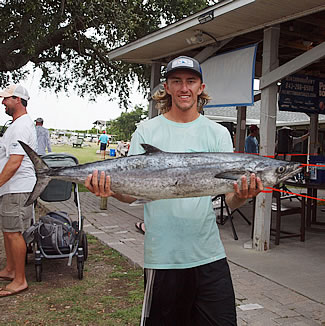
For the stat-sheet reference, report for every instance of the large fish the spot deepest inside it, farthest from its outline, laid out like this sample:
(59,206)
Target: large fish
(160,175)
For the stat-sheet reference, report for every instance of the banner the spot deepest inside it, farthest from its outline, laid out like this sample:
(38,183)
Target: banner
(229,77)
(300,93)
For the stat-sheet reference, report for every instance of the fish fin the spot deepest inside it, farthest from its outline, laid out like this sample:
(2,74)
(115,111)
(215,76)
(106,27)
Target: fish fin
(230,175)
(40,168)
(151,149)
(139,202)
(38,189)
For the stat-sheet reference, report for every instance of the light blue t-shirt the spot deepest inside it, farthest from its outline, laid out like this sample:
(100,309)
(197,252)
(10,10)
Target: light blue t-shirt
(181,233)
(103,138)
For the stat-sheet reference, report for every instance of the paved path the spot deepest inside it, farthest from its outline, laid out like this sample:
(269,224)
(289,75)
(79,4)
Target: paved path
(279,305)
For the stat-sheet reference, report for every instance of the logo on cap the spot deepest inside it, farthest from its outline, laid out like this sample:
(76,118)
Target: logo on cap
(182,62)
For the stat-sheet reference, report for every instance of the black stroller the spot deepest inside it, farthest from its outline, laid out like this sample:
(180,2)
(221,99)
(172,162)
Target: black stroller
(55,235)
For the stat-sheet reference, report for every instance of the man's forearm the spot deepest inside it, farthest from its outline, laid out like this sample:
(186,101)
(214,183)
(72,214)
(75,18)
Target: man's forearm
(10,168)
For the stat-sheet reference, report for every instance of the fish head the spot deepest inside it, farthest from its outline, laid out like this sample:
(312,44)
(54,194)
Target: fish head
(273,172)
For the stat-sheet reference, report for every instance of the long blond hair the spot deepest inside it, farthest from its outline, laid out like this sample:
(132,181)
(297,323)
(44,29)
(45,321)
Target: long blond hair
(164,101)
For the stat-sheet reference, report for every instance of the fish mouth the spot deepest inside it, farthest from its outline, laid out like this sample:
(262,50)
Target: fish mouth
(295,171)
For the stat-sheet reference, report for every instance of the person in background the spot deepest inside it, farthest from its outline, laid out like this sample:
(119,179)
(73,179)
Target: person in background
(251,143)
(187,276)
(104,142)
(17,180)
(43,138)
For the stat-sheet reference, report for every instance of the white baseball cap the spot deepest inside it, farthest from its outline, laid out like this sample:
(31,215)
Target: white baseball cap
(15,90)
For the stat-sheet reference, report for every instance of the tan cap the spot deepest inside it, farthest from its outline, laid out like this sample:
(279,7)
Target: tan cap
(15,90)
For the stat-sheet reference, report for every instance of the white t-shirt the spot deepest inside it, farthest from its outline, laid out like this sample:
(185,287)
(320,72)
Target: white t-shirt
(24,179)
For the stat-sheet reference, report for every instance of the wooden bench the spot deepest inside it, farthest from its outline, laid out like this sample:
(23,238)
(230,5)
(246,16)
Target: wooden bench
(78,142)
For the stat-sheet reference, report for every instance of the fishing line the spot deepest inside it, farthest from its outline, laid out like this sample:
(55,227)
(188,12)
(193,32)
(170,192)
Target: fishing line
(292,193)
(303,164)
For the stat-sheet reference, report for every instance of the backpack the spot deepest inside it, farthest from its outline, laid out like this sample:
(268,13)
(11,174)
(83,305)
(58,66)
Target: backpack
(55,233)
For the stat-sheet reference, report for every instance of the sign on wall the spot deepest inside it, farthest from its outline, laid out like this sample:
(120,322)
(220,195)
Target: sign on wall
(229,77)
(300,93)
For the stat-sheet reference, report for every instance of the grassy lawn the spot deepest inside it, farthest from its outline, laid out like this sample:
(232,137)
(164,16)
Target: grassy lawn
(110,293)
(84,154)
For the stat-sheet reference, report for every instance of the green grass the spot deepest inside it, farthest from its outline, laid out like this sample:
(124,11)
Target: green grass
(84,154)
(111,293)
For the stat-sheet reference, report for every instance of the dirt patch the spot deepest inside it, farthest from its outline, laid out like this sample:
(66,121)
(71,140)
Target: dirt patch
(110,293)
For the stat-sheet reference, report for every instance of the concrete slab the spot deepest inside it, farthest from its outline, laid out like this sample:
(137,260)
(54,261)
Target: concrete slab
(287,281)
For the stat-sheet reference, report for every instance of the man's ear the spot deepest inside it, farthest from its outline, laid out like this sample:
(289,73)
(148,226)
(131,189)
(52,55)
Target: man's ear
(202,87)
(166,87)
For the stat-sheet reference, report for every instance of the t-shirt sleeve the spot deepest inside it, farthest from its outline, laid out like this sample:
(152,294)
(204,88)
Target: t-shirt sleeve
(135,145)
(14,147)
(225,142)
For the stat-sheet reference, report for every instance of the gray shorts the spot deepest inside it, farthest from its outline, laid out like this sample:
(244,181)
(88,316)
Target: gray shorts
(14,217)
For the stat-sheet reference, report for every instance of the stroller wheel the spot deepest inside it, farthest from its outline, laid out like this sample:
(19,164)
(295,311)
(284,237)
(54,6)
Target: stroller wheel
(84,245)
(80,263)
(38,266)
(80,270)
(38,269)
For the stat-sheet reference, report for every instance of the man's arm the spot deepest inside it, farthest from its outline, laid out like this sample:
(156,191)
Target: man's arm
(239,196)
(10,168)
(103,187)
(48,142)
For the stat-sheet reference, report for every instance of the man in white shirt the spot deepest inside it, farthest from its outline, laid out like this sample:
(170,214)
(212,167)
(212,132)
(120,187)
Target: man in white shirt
(43,138)
(17,180)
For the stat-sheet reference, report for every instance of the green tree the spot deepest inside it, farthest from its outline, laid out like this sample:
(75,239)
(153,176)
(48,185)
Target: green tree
(124,126)
(69,40)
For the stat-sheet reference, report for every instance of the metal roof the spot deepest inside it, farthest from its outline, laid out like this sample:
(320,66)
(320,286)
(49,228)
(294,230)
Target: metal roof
(283,118)
(243,21)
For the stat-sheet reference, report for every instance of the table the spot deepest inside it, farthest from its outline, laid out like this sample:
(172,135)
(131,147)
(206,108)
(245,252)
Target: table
(312,188)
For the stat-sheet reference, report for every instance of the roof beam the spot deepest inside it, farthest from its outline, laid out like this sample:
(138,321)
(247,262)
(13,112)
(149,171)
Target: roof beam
(294,65)
(182,25)
(209,50)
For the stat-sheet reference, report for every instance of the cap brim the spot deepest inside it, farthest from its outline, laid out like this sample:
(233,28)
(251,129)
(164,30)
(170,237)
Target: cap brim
(184,68)
(5,94)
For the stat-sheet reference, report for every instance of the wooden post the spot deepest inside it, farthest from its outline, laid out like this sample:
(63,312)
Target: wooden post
(103,203)
(154,81)
(261,238)
(313,144)
(241,129)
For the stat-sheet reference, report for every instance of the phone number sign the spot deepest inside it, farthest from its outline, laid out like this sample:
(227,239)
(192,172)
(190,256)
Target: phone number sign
(301,93)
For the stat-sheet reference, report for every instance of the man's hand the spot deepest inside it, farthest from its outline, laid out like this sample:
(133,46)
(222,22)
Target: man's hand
(255,187)
(101,188)
(239,196)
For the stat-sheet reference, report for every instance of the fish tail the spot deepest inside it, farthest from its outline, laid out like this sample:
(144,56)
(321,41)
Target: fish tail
(41,169)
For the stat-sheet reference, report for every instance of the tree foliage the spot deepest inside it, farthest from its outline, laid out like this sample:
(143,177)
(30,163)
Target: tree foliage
(69,40)
(124,126)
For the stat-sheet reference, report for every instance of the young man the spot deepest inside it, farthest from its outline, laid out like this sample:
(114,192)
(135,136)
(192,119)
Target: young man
(104,142)
(17,179)
(188,277)
(43,138)
(251,143)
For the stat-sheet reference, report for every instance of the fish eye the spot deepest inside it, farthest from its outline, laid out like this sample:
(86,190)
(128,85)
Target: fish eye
(281,169)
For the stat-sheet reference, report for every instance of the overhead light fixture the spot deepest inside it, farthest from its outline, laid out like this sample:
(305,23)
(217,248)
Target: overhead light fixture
(206,17)
(307,44)
(195,39)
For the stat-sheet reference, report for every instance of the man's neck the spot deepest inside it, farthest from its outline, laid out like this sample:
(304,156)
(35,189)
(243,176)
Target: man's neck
(180,116)
(18,114)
